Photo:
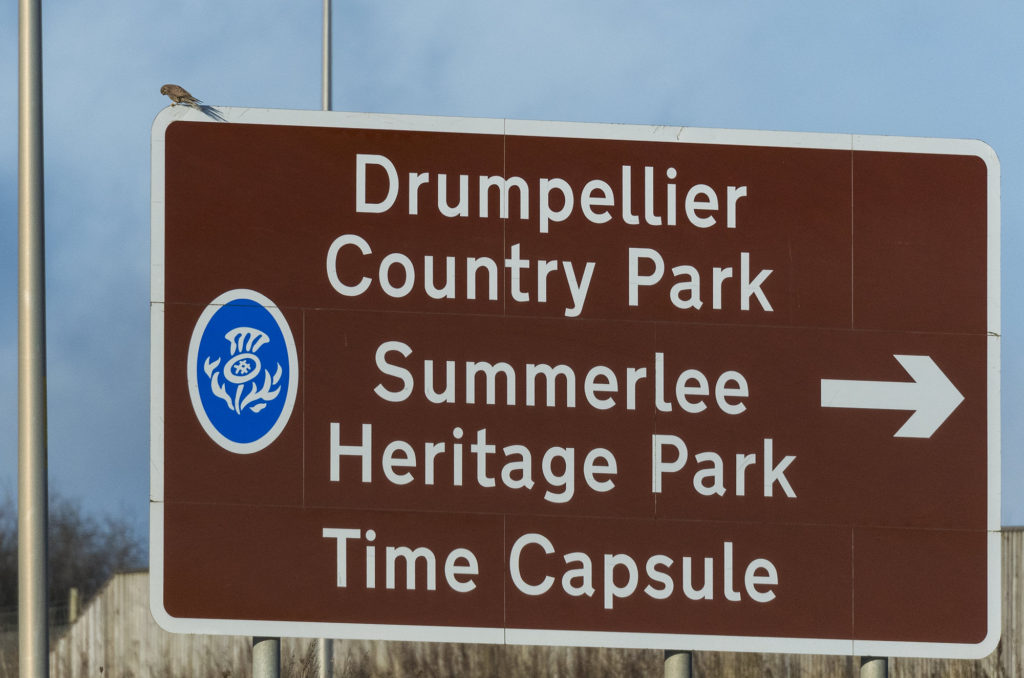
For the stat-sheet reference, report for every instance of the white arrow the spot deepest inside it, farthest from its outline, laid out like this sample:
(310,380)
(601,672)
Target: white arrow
(931,395)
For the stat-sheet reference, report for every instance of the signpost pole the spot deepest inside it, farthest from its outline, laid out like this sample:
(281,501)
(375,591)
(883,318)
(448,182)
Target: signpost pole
(33,635)
(678,664)
(325,656)
(326,70)
(874,667)
(266,657)
(325,648)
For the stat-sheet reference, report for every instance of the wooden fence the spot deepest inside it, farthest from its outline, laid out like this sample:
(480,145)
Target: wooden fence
(116,637)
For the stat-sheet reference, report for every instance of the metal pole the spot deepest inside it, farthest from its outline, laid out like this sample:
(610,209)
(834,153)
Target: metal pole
(678,664)
(326,69)
(73,601)
(33,633)
(874,667)
(326,658)
(325,648)
(266,657)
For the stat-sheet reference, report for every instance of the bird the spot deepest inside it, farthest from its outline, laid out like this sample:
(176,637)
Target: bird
(179,95)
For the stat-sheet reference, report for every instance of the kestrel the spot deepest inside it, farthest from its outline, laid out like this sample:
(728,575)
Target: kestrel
(179,95)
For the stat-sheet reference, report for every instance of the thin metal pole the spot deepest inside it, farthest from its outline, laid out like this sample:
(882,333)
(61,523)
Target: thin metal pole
(33,633)
(326,658)
(325,648)
(326,69)
(266,657)
(874,667)
(678,664)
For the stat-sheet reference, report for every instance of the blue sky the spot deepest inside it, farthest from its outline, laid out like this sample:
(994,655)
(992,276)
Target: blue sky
(933,69)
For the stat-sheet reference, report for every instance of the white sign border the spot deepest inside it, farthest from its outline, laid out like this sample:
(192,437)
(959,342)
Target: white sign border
(667,134)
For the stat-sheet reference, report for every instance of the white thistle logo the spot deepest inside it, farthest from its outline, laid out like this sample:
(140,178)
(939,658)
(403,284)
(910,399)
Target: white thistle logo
(242,370)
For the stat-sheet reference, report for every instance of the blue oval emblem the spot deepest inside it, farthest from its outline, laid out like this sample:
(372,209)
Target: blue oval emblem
(242,371)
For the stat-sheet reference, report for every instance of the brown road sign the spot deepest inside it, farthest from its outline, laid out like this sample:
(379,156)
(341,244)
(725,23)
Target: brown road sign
(505,381)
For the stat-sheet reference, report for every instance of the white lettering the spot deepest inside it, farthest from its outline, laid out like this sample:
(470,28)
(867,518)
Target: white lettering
(362,204)
(332,265)
(531,539)
(546,213)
